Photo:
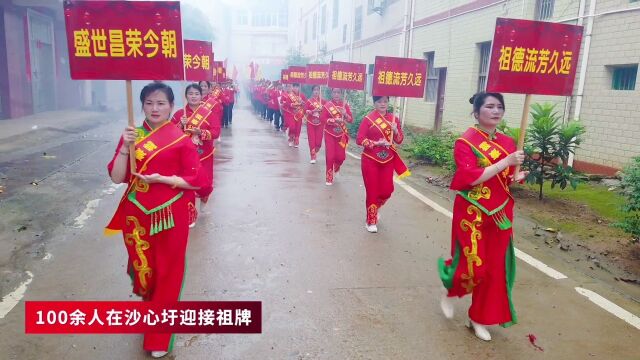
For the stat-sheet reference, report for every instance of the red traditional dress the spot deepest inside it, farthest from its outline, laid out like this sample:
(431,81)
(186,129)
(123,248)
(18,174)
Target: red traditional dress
(315,126)
(483,258)
(293,105)
(207,118)
(336,135)
(379,162)
(286,111)
(154,218)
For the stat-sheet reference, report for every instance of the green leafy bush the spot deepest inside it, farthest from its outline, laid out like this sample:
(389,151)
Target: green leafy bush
(435,148)
(631,187)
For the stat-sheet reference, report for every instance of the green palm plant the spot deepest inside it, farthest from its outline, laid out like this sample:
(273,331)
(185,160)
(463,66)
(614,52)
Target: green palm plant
(548,145)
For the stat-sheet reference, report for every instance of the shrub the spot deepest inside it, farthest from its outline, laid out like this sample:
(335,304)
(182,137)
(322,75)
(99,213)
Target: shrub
(631,187)
(435,148)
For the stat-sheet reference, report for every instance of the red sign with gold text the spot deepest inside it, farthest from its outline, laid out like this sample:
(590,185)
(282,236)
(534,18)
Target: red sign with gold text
(218,71)
(344,75)
(393,76)
(284,76)
(124,40)
(534,57)
(198,58)
(297,74)
(317,74)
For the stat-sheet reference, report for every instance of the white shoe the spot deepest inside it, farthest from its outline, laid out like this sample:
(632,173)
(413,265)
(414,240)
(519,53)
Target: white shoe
(372,228)
(158,354)
(290,143)
(192,225)
(328,183)
(481,331)
(447,306)
(313,161)
(296,145)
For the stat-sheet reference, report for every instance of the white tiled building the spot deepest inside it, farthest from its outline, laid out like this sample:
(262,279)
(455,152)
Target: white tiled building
(455,36)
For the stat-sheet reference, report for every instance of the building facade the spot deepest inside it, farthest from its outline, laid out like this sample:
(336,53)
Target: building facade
(455,37)
(258,33)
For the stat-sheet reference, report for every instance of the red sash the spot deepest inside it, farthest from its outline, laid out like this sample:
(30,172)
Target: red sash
(383,154)
(148,145)
(297,106)
(492,195)
(200,115)
(337,129)
(314,120)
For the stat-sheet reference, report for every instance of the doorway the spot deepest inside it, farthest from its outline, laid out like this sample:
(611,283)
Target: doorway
(42,58)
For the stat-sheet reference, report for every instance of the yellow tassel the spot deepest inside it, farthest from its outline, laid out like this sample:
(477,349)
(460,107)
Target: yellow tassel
(404,175)
(111,232)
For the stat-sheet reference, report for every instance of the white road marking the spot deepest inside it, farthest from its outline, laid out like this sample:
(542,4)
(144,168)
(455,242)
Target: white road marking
(12,299)
(86,214)
(539,265)
(555,274)
(612,308)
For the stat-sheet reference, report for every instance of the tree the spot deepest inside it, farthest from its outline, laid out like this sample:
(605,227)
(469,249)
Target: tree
(296,58)
(548,145)
(196,25)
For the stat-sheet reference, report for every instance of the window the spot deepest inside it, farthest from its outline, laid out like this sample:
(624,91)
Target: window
(283,18)
(357,24)
(323,19)
(344,33)
(544,9)
(431,95)
(314,30)
(306,31)
(624,77)
(243,18)
(336,14)
(485,52)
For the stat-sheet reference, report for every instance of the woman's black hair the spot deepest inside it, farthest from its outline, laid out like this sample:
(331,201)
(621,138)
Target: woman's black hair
(314,87)
(376,98)
(193,86)
(201,81)
(156,86)
(478,100)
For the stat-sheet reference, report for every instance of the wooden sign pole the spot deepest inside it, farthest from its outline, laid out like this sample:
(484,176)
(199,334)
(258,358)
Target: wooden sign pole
(132,147)
(523,126)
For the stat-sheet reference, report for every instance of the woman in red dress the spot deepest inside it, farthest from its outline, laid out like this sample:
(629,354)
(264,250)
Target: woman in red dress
(378,132)
(482,259)
(293,105)
(335,114)
(153,212)
(201,122)
(315,126)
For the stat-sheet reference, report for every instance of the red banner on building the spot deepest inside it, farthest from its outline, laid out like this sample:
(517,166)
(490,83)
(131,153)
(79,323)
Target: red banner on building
(198,58)
(136,317)
(124,40)
(284,76)
(297,74)
(344,75)
(534,57)
(317,74)
(393,76)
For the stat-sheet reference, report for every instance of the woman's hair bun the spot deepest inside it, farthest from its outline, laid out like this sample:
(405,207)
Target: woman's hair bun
(472,99)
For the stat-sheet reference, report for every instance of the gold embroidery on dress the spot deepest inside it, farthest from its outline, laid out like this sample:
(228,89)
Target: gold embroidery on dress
(141,265)
(150,146)
(484,146)
(495,153)
(471,254)
(141,186)
(480,192)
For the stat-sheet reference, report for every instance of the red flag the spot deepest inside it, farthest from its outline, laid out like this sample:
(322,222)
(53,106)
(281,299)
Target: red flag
(234,75)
